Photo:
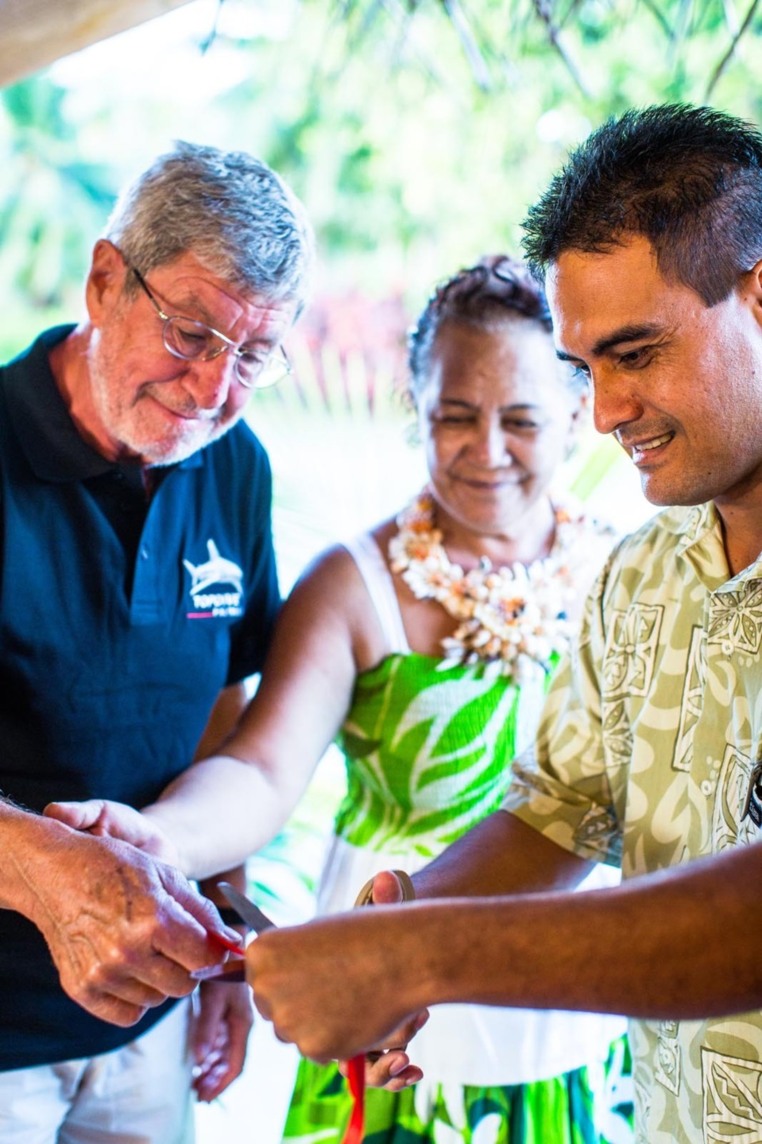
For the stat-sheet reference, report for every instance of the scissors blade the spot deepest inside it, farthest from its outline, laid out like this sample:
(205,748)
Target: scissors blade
(250,915)
(254,918)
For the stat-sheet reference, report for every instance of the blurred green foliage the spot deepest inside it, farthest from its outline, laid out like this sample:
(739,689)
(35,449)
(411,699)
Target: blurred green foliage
(51,205)
(417,132)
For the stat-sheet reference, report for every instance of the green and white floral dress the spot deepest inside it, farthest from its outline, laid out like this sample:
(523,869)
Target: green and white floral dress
(426,745)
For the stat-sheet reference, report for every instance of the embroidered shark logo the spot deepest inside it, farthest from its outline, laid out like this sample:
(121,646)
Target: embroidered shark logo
(215,572)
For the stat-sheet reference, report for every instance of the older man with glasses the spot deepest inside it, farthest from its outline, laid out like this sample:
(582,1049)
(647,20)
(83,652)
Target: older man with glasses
(125,468)
(255,367)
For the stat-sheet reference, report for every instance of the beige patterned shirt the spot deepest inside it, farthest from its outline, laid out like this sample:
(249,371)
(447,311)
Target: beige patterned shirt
(644,757)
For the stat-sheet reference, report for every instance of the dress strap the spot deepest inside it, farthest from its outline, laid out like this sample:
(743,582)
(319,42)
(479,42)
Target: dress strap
(378,580)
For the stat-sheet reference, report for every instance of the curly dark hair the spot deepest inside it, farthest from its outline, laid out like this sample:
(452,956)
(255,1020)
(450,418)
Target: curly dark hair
(496,288)
(688,179)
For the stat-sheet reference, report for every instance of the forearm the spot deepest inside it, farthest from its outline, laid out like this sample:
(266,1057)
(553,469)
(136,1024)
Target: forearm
(501,855)
(28,842)
(677,943)
(220,811)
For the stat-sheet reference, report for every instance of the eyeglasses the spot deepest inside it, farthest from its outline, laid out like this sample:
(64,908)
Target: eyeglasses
(190,340)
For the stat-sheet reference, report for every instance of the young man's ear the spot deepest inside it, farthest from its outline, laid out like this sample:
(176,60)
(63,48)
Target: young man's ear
(104,280)
(751,290)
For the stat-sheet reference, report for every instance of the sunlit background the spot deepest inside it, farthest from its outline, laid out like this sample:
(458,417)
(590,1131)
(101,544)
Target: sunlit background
(417,133)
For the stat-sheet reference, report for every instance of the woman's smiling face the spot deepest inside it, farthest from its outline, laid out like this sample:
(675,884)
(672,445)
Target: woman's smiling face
(496,414)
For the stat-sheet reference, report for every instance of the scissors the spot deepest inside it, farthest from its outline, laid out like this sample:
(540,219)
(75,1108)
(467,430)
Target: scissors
(257,921)
(234,970)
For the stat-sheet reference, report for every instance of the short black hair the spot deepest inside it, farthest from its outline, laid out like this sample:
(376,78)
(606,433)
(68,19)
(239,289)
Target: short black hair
(688,179)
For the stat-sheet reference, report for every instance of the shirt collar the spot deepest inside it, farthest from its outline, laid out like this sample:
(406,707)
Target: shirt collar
(50,439)
(693,525)
(701,529)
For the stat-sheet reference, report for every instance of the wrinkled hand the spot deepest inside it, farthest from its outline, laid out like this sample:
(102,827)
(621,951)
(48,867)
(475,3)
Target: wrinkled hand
(338,986)
(219,1036)
(123,930)
(106,818)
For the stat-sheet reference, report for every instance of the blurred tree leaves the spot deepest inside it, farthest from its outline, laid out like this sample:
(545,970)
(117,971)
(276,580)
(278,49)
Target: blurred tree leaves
(416,131)
(419,130)
(52,199)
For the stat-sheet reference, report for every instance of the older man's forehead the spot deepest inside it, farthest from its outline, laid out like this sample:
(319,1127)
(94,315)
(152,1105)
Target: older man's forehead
(187,287)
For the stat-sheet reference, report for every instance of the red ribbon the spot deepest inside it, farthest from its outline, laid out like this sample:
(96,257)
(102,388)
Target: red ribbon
(356,1078)
(355,1071)
(235,947)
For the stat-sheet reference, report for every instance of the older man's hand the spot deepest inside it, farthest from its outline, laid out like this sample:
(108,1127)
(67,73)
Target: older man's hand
(124,930)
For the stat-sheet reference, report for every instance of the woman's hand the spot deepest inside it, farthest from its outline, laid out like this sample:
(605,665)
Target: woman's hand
(219,1036)
(390,1068)
(106,818)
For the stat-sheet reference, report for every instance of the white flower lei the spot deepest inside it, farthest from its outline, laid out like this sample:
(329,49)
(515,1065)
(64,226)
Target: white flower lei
(512,619)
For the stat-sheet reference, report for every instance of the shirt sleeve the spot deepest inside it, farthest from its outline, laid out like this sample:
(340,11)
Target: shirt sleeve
(560,786)
(250,638)
(251,635)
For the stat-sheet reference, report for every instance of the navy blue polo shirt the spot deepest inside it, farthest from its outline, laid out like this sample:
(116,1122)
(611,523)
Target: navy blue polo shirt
(121,619)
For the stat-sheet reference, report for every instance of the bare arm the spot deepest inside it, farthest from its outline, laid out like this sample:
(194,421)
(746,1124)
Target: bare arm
(227,806)
(676,943)
(500,855)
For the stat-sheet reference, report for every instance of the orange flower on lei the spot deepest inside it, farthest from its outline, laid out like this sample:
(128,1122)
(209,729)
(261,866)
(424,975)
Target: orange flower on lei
(513,620)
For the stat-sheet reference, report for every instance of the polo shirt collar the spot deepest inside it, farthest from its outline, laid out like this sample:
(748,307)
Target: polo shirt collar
(50,439)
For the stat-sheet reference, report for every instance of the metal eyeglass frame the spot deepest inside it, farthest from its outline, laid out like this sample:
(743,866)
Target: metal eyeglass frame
(271,369)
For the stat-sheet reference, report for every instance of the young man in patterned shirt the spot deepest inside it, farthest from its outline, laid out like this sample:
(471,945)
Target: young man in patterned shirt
(650,751)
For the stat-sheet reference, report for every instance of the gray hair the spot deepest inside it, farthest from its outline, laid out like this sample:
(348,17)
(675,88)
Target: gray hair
(227,208)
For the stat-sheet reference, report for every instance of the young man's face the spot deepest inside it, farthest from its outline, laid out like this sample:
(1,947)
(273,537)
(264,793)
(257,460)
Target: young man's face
(679,384)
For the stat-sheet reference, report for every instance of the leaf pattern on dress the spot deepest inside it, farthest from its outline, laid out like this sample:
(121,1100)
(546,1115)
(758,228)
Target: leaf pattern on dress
(429,751)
